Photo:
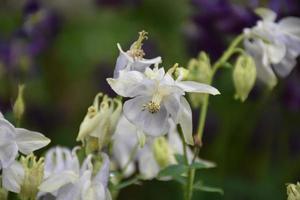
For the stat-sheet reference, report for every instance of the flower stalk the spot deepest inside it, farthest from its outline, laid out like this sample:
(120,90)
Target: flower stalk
(202,118)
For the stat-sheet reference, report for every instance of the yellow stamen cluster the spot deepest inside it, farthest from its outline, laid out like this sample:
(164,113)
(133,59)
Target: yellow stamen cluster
(136,50)
(152,107)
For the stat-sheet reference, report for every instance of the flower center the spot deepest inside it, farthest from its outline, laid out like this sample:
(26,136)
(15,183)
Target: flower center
(154,105)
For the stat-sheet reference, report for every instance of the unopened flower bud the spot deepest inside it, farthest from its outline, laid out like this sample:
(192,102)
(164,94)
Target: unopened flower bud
(163,153)
(100,122)
(34,172)
(293,191)
(244,76)
(19,106)
(181,73)
(200,71)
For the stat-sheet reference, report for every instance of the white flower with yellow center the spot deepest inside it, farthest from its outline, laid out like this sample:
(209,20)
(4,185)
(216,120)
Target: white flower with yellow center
(66,180)
(273,45)
(133,59)
(156,96)
(12,141)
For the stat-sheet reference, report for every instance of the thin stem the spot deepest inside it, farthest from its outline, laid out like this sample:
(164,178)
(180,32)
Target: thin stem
(202,118)
(227,54)
(183,145)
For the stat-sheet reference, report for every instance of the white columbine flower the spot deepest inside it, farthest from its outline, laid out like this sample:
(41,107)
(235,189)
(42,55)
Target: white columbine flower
(273,45)
(156,96)
(133,59)
(12,141)
(66,180)
(157,153)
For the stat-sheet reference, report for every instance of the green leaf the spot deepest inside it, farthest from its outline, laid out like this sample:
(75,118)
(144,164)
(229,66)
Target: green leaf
(202,164)
(134,180)
(200,186)
(173,170)
(180,159)
(180,179)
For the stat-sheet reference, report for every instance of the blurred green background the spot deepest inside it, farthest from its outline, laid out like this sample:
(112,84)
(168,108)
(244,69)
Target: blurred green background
(63,50)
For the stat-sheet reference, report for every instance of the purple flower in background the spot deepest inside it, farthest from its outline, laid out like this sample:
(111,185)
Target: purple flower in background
(291,94)
(38,28)
(214,19)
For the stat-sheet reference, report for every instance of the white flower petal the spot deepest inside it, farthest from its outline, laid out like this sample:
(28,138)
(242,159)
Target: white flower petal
(290,25)
(172,104)
(103,174)
(128,84)
(125,141)
(285,66)
(192,86)
(12,177)
(154,124)
(141,65)
(263,67)
(185,121)
(7,132)
(58,180)
(99,192)
(147,164)
(8,153)
(29,141)
(69,192)
(275,52)
(122,61)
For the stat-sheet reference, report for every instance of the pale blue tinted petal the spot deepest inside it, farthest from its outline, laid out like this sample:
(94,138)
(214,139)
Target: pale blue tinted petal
(12,177)
(58,180)
(290,25)
(153,124)
(103,174)
(185,121)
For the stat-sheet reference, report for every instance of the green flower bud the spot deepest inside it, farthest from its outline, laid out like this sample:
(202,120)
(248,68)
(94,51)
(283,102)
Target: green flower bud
(244,76)
(200,71)
(100,122)
(19,106)
(163,153)
(34,172)
(293,191)
(182,73)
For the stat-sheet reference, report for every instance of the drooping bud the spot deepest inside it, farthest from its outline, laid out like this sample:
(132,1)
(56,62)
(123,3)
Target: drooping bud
(34,173)
(293,191)
(163,153)
(19,105)
(244,76)
(200,71)
(100,122)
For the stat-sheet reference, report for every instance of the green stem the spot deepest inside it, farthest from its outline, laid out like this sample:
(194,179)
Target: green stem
(183,145)
(202,118)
